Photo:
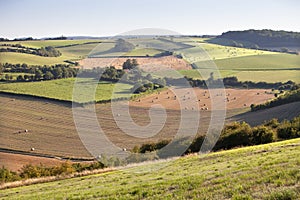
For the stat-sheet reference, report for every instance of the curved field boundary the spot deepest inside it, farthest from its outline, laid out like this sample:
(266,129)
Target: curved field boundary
(73,159)
(286,111)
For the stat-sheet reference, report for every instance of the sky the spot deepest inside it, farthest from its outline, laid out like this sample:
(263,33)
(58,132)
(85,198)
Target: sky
(52,18)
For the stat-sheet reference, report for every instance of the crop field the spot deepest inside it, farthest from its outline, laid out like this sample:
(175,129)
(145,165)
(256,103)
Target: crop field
(146,64)
(51,128)
(235,98)
(79,51)
(62,89)
(287,111)
(262,62)
(15,162)
(74,53)
(269,76)
(260,172)
(205,51)
(54,43)
(19,58)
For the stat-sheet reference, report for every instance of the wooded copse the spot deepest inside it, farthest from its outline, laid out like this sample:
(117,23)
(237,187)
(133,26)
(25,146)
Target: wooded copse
(47,51)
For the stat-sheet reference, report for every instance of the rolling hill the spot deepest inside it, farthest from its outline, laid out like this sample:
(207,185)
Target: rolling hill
(260,172)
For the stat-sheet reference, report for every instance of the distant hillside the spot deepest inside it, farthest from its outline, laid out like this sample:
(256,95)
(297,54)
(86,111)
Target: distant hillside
(259,39)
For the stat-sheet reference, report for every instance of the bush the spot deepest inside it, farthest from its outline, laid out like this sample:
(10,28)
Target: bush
(287,130)
(7,175)
(236,134)
(262,135)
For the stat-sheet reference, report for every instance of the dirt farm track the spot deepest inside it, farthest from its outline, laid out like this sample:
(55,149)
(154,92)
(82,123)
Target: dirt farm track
(48,126)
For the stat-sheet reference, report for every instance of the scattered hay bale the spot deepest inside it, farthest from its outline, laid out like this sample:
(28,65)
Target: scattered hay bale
(26,130)
(32,149)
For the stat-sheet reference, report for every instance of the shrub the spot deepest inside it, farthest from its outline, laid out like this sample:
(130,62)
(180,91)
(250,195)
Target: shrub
(236,134)
(287,130)
(7,175)
(262,135)
(273,123)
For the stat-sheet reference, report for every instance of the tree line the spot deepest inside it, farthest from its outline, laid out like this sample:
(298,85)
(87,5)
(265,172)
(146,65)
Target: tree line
(48,51)
(236,134)
(38,73)
(289,97)
(233,82)
(132,74)
(30,171)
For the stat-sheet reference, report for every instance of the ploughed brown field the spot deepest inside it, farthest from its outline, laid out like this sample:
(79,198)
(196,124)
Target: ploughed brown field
(15,162)
(48,126)
(147,64)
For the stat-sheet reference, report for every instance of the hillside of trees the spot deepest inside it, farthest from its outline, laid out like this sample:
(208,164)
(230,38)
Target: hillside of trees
(277,41)
(265,38)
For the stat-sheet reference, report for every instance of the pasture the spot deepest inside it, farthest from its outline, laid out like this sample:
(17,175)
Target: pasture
(260,172)
(44,43)
(269,76)
(62,89)
(19,58)
(77,51)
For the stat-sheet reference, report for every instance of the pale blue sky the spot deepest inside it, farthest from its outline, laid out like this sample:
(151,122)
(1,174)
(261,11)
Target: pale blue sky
(43,18)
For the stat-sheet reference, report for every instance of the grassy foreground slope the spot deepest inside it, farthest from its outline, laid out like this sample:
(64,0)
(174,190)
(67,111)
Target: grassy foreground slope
(261,172)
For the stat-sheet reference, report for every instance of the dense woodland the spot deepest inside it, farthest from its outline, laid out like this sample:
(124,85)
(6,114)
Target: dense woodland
(265,38)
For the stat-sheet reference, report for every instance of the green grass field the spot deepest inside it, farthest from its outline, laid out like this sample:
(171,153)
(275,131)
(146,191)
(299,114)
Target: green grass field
(261,62)
(269,76)
(143,52)
(14,75)
(19,58)
(74,53)
(260,172)
(78,51)
(269,68)
(44,43)
(246,64)
(62,89)
(204,51)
